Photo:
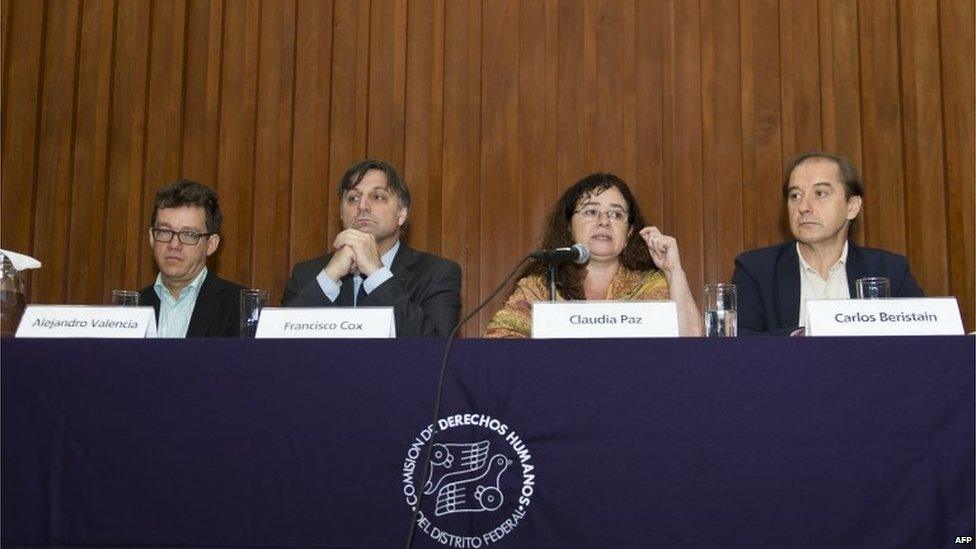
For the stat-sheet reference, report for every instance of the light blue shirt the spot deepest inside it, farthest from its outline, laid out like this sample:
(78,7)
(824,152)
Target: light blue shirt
(331,287)
(175,313)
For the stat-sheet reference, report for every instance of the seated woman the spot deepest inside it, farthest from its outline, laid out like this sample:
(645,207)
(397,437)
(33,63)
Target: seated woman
(628,261)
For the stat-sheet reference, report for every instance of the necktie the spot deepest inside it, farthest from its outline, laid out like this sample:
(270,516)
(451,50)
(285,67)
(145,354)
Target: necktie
(361,294)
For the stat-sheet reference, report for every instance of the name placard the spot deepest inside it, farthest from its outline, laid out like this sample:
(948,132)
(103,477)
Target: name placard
(326,322)
(598,319)
(884,317)
(87,321)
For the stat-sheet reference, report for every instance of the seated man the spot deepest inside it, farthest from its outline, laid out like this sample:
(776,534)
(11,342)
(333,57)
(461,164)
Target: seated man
(189,300)
(370,266)
(823,197)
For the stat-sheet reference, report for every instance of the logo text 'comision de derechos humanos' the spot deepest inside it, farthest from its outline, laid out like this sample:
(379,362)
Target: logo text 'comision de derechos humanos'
(470,475)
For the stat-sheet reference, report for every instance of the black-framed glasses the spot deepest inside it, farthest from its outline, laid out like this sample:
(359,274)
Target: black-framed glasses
(188,238)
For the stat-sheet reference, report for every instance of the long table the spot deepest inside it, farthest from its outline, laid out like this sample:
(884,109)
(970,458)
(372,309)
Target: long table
(751,442)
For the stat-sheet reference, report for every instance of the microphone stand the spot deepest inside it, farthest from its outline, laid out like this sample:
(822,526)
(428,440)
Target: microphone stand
(429,446)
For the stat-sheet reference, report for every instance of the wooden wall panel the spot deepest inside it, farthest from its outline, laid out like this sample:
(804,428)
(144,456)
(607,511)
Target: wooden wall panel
(589,85)
(570,115)
(273,158)
(499,159)
(237,144)
(490,108)
(883,160)
(202,57)
(53,191)
(86,241)
(649,84)
(628,81)
(956,22)
(721,140)
(5,9)
(21,95)
(435,143)
(422,126)
(311,186)
(125,223)
(839,79)
(687,222)
(537,141)
(799,59)
(762,156)
(613,74)
(387,59)
(923,144)
(462,148)
(669,172)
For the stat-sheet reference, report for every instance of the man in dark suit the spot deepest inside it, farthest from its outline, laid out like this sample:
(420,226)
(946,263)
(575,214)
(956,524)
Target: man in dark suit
(188,299)
(823,198)
(371,266)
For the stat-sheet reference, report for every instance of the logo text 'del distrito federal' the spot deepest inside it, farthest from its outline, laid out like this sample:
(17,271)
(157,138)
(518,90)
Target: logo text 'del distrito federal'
(489,472)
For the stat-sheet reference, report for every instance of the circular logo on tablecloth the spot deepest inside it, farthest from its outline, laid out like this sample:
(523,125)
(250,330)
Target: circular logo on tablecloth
(481,474)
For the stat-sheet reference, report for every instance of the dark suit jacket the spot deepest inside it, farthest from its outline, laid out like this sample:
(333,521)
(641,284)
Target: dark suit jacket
(767,281)
(217,312)
(425,292)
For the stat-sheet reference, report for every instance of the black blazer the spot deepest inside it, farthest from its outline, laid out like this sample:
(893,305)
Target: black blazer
(767,282)
(425,292)
(217,312)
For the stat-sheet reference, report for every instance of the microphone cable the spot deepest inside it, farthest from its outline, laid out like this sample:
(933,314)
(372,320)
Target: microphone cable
(429,446)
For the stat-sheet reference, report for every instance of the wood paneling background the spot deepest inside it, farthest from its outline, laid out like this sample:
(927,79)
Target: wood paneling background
(489,109)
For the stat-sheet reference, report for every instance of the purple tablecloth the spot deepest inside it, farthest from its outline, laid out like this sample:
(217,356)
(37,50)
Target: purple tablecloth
(753,442)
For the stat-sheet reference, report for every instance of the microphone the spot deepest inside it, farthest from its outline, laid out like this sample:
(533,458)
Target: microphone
(577,253)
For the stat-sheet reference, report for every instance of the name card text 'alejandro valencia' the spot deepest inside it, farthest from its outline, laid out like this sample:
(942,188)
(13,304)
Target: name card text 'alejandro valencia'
(86,321)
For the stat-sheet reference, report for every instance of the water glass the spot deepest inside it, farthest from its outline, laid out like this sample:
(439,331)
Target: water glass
(125,298)
(252,301)
(873,287)
(720,308)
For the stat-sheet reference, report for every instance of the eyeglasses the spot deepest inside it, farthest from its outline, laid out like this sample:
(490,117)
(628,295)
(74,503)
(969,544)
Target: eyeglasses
(188,238)
(591,213)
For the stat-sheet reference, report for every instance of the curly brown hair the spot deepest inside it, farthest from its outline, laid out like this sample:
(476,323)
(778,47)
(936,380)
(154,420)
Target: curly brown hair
(558,233)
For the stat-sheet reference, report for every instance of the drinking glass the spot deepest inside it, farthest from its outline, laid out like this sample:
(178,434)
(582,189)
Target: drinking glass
(125,298)
(252,301)
(720,308)
(873,287)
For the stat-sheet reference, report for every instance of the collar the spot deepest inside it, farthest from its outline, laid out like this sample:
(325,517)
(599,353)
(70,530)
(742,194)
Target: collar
(193,286)
(387,258)
(841,261)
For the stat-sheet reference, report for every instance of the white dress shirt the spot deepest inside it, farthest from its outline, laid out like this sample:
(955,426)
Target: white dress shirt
(814,286)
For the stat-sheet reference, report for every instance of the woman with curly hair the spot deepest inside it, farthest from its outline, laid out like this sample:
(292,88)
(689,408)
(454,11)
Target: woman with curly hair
(628,261)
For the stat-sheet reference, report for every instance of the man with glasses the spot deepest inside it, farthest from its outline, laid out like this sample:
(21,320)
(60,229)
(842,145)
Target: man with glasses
(369,264)
(188,299)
